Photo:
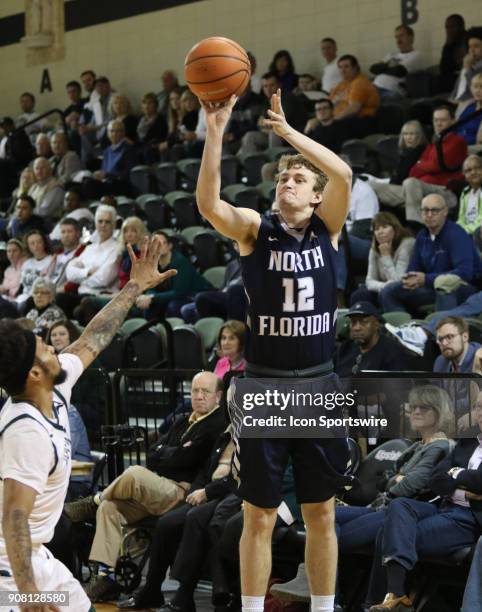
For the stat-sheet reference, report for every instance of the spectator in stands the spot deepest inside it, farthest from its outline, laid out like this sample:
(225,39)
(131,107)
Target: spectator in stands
(61,334)
(472,130)
(24,219)
(230,348)
(427,176)
(389,256)
(88,78)
(10,285)
(27,179)
(457,354)
(95,270)
(324,129)
(414,529)
(76,102)
(411,144)
(38,263)
(27,106)
(226,303)
(453,52)
(264,137)
(431,418)
(65,164)
(283,67)
(255,80)
(95,118)
(363,207)
(46,191)
(119,158)
(391,73)
(74,209)
(45,311)
(306,83)
(472,65)
(133,232)
(71,248)
(172,464)
(42,146)
(120,108)
(182,537)
(151,129)
(331,75)
(355,98)
(444,262)
(7,126)
(470,203)
(190,142)
(244,118)
(169,82)
(367,348)
(169,297)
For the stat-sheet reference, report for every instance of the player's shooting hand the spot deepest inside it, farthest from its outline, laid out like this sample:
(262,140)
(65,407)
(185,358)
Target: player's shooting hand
(276,117)
(218,113)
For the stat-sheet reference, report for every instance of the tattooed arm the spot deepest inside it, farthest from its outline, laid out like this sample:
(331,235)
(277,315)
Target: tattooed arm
(18,501)
(100,331)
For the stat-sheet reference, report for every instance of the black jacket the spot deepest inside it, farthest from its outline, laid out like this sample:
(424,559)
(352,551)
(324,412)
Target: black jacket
(471,480)
(215,489)
(170,457)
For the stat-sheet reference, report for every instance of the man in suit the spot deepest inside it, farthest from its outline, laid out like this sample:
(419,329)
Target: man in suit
(415,529)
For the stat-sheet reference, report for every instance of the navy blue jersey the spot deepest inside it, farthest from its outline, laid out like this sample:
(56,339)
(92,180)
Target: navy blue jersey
(290,281)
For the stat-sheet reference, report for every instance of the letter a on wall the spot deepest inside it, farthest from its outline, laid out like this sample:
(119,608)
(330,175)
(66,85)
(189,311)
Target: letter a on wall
(46,83)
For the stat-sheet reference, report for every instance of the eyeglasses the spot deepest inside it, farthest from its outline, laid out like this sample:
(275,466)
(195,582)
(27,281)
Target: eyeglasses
(432,211)
(421,407)
(446,338)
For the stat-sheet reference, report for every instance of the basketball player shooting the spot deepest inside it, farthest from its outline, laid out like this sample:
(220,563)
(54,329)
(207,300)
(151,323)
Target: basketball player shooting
(35,449)
(289,270)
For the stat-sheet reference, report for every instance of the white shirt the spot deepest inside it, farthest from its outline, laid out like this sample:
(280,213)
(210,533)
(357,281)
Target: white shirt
(102,256)
(25,118)
(77,214)
(201,125)
(57,274)
(3,147)
(363,203)
(412,61)
(472,210)
(331,76)
(459,494)
(27,454)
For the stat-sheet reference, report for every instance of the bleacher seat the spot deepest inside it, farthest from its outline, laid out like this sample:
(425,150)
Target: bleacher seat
(144,347)
(142,199)
(388,154)
(274,153)
(419,84)
(390,118)
(357,152)
(252,164)
(267,190)
(111,357)
(188,347)
(157,212)
(229,170)
(126,208)
(396,318)
(215,276)
(189,169)
(184,208)
(421,110)
(189,233)
(166,176)
(241,195)
(208,328)
(140,179)
(208,249)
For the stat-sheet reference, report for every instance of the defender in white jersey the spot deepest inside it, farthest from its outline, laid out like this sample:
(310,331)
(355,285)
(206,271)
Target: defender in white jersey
(35,448)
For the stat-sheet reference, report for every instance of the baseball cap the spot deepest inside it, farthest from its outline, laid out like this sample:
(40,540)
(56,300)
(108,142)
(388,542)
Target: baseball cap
(363,309)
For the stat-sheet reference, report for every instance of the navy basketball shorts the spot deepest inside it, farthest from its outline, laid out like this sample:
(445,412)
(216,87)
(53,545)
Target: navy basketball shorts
(259,463)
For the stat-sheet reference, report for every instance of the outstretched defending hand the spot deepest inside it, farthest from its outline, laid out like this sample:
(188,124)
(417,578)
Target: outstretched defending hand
(145,268)
(277,120)
(218,113)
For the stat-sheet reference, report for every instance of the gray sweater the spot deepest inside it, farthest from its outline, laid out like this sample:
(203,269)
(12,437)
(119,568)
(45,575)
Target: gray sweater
(382,269)
(416,465)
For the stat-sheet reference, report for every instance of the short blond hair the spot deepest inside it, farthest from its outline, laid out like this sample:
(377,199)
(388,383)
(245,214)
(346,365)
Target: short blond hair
(293,161)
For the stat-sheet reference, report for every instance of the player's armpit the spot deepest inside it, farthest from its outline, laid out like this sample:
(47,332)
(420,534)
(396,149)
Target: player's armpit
(240,224)
(18,501)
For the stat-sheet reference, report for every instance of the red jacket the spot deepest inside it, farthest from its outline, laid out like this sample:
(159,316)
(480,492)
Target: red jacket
(427,168)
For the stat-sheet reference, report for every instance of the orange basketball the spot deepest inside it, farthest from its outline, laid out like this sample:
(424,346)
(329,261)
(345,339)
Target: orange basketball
(217,68)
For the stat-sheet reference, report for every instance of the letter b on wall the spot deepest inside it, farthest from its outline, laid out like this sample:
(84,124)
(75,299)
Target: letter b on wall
(409,12)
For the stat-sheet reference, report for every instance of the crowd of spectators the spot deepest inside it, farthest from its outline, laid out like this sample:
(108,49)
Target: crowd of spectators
(414,234)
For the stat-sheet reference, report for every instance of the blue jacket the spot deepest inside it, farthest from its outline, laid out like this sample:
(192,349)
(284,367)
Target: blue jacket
(451,252)
(119,160)
(444,365)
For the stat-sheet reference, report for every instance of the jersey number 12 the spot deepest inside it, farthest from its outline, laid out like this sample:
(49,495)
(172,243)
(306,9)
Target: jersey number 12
(306,291)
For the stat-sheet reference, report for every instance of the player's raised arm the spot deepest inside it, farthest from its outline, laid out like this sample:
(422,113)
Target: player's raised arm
(100,331)
(336,197)
(240,224)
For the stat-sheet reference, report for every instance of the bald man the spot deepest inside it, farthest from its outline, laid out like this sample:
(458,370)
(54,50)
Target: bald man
(172,464)
(443,265)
